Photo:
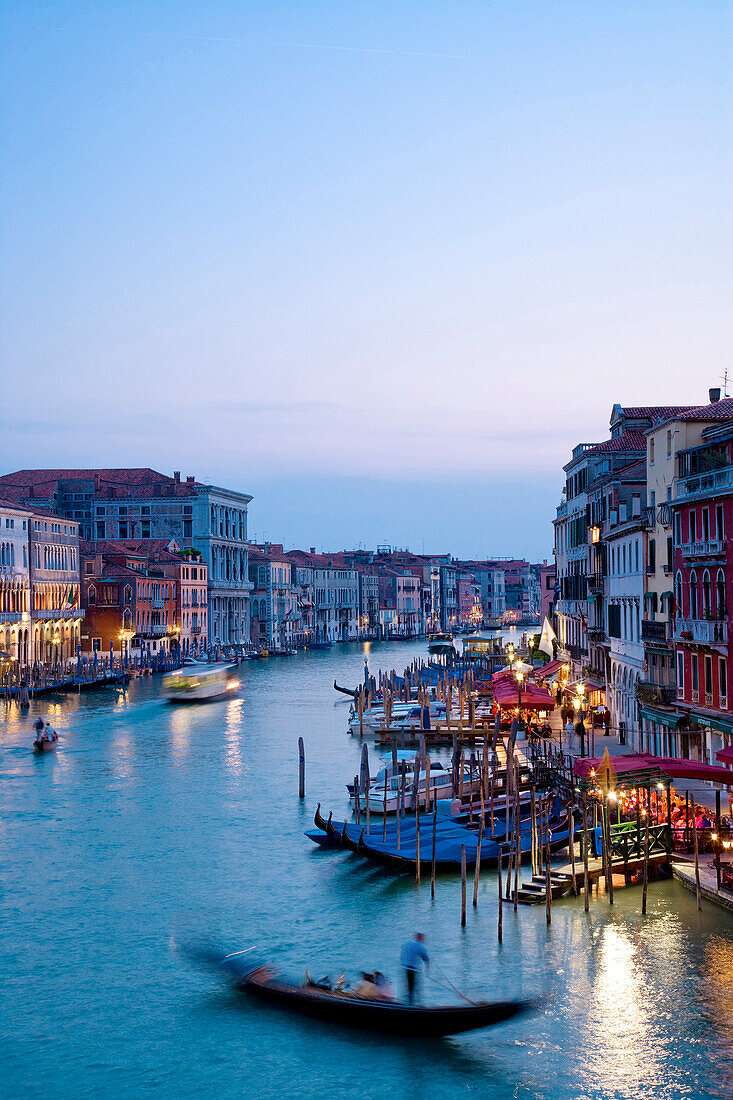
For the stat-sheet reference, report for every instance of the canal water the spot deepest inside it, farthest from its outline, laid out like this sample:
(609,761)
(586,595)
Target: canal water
(154,823)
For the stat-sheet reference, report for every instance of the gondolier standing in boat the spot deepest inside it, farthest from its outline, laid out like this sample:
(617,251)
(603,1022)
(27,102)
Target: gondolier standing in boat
(412,952)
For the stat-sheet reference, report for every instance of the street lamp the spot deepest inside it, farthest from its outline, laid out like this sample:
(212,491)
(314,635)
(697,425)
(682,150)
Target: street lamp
(56,640)
(519,677)
(578,704)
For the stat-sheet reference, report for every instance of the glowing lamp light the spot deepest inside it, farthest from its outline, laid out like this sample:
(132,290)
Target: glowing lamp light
(580,688)
(660,786)
(713,836)
(592,772)
(612,796)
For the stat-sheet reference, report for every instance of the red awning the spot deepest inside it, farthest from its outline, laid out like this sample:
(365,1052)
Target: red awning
(675,768)
(533,696)
(548,669)
(726,755)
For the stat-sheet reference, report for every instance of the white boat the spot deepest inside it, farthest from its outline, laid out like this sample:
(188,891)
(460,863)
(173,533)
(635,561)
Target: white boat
(404,716)
(440,645)
(441,784)
(199,683)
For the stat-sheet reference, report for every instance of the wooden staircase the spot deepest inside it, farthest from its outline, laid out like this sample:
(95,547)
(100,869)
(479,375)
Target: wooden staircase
(534,892)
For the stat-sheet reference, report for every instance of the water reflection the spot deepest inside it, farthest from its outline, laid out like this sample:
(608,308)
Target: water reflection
(233,737)
(170,812)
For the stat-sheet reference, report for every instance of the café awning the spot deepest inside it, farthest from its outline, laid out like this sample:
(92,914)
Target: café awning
(533,696)
(709,722)
(726,755)
(674,767)
(669,718)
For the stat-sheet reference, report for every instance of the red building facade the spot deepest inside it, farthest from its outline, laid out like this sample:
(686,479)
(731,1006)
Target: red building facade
(703,576)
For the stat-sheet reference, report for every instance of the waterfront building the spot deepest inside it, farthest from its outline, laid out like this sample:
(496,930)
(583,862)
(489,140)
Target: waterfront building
(336,594)
(579,556)
(336,603)
(616,610)
(55,589)
(14,583)
(275,615)
(548,575)
(702,509)
(448,596)
(666,728)
(143,504)
(131,598)
(192,611)
(369,603)
(399,602)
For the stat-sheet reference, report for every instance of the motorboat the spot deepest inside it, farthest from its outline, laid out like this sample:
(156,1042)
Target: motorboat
(385,790)
(403,716)
(199,683)
(441,645)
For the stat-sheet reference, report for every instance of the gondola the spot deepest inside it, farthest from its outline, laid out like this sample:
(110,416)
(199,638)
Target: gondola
(353,692)
(392,1017)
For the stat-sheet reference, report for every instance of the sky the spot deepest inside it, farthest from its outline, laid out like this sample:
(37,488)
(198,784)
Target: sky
(380,264)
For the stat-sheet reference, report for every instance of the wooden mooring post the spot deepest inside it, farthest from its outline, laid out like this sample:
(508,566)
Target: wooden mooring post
(463,886)
(301,768)
(501,899)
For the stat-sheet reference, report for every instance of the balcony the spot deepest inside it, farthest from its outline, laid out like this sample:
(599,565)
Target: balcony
(649,692)
(595,582)
(648,517)
(12,616)
(157,603)
(58,613)
(653,631)
(708,549)
(702,485)
(157,629)
(703,631)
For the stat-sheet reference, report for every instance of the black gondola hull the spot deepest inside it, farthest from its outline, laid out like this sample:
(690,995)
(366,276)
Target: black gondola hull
(394,1018)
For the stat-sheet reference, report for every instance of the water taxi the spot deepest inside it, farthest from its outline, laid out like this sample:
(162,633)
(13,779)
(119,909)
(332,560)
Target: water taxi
(199,683)
(440,645)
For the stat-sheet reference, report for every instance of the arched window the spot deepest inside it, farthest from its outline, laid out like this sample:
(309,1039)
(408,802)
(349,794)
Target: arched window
(706,595)
(678,593)
(92,597)
(128,593)
(693,595)
(721,607)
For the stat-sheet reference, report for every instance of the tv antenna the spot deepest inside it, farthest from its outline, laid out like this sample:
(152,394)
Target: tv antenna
(725,383)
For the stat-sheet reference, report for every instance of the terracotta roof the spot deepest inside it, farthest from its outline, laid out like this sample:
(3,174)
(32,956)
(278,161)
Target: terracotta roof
(5,503)
(632,440)
(45,482)
(719,410)
(31,511)
(654,412)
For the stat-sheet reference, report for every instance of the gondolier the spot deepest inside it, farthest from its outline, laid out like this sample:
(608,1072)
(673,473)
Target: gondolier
(412,952)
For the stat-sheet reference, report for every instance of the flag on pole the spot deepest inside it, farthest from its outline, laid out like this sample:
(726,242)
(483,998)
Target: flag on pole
(547,637)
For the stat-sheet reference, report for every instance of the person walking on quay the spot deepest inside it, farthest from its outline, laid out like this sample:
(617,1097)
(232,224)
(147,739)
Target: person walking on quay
(569,731)
(412,952)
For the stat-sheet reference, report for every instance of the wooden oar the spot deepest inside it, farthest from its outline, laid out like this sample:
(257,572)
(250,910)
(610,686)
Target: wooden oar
(450,984)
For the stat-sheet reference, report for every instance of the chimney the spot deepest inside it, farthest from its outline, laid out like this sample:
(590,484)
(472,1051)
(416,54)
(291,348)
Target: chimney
(176,475)
(190,480)
(313,549)
(714,395)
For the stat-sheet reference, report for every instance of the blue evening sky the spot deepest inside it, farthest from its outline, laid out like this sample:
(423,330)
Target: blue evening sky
(379,263)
